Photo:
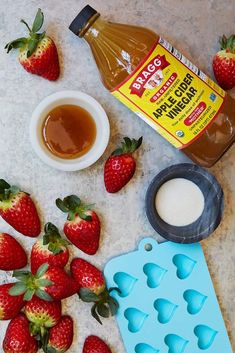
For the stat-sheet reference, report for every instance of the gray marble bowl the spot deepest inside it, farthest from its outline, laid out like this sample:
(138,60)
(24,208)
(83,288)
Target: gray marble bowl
(211,215)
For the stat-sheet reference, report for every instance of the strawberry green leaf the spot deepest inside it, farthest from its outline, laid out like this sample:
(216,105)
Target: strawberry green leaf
(17,289)
(29,294)
(117,152)
(46,239)
(34,331)
(51,228)
(42,270)
(113,306)
(60,204)
(26,24)
(111,289)
(94,313)
(71,216)
(43,282)
(55,249)
(84,216)
(38,21)
(128,146)
(51,350)
(4,185)
(88,296)
(15,44)
(21,275)
(14,189)
(103,310)
(72,202)
(127,142)
(43,295)
(32,45)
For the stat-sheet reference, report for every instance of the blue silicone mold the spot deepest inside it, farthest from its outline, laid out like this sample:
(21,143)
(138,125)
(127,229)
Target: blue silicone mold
(167,300)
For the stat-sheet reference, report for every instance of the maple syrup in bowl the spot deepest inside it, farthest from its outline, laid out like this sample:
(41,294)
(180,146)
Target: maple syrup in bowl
(69,130)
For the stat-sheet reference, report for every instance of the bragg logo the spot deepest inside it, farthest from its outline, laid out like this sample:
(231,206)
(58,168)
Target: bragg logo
(150,77)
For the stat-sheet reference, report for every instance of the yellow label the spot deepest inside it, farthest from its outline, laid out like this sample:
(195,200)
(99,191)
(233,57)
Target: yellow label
(171,95)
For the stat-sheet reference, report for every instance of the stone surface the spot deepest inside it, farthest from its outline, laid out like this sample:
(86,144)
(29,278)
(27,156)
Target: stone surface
(193,27)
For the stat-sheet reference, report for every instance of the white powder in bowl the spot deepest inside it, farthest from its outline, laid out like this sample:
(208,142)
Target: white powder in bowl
(179,202)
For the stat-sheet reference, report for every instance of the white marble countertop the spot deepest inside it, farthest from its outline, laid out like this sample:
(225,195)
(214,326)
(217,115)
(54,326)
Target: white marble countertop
(193,27)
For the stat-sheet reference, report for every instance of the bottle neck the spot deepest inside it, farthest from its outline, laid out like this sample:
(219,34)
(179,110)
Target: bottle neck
(92,28)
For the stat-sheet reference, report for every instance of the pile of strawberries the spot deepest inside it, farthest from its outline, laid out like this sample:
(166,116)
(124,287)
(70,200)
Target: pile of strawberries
(33,303)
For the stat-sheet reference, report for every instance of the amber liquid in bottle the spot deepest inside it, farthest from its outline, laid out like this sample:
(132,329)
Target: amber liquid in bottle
(118,49)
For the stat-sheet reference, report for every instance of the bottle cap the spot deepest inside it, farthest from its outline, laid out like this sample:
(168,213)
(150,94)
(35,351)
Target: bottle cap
(81,19)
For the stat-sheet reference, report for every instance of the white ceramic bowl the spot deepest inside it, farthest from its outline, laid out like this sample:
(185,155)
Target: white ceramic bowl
(75,98)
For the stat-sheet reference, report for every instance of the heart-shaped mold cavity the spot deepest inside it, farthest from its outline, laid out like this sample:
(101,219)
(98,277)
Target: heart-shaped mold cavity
(175,343)
(184,265)
(165,309)
(125,283)
(136,319)
(195,301)
(145,348)
(154,274)
(205,335)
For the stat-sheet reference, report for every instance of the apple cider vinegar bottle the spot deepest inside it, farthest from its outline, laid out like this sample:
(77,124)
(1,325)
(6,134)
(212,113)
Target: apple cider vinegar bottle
(161,86)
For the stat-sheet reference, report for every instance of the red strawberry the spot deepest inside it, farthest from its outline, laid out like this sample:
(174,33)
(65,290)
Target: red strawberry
(9,306)
(93,289)
(61,336)
(38,54)
(43,313)
(83,226)
(17,338)
(94,344)
(52,249)
(224,63)
(12,255)
(18,209)
(120,166)
(48,284)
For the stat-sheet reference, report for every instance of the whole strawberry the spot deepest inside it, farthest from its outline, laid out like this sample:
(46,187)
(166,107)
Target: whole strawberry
(52,249)
(42,313)
(82,227)
(12,255)
(18,338)
(60,336)
(48,284)
(94,344)
(18,210)
(38,54)
(93,289)
(120,166)
(9,306)
(224,63)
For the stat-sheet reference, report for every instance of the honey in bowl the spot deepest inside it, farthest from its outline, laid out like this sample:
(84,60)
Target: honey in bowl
(69,131)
